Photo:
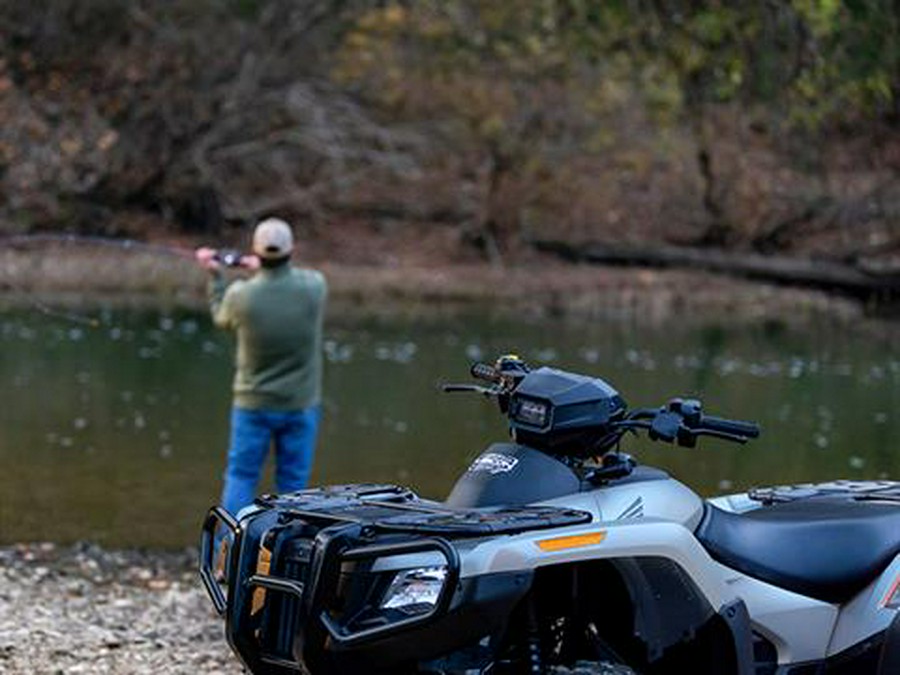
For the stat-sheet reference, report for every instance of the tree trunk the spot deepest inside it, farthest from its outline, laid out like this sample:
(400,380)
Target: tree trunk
(833,276)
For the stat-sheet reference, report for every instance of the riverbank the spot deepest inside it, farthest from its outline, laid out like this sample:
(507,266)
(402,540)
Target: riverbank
(82,609)
(371,284)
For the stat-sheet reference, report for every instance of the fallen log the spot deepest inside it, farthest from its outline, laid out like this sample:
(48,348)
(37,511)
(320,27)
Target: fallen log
(864,284)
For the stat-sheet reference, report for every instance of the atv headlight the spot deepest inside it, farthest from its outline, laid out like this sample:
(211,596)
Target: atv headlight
(415,589)
(532,412)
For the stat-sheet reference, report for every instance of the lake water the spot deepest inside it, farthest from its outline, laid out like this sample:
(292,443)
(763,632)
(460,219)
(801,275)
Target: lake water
(116,433)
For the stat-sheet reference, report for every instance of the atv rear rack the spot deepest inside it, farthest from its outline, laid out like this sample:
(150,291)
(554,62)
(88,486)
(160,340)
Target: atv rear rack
(863,490)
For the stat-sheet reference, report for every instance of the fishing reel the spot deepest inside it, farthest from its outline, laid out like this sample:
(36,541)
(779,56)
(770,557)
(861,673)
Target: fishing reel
(228,257)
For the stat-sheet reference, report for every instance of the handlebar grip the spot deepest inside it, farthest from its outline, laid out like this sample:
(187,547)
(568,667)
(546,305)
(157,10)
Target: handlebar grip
(736,427)
(483,371)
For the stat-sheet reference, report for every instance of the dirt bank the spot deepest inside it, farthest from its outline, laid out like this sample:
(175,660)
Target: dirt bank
(368,277)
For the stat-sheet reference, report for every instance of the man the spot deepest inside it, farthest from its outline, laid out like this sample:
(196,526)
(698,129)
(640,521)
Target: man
(277,317)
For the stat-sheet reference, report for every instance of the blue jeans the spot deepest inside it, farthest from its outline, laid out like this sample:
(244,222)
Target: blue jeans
(293,434)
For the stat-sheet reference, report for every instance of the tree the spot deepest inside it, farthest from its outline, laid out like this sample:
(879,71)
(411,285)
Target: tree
(506,86)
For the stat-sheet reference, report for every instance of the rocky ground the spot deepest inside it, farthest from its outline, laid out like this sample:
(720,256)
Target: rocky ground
(82,609)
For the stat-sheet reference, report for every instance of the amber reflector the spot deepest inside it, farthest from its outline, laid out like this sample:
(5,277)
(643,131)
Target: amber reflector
(576,540)
(892,598)
(263,563)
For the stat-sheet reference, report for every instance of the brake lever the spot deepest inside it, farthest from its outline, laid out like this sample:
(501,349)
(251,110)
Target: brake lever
(734,438)
(478,389)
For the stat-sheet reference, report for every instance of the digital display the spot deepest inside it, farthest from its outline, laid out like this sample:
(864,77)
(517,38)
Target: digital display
(532,412)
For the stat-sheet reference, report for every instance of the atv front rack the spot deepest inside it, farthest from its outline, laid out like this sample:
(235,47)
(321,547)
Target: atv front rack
(389,508)
(305,572)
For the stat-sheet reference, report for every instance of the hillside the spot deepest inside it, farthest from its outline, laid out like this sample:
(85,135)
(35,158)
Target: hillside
(475,128)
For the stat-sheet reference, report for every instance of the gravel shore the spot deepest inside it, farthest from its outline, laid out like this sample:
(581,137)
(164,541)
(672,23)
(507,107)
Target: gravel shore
(82,609)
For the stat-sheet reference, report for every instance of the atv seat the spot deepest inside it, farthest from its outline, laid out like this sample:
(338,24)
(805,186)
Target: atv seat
(824,548)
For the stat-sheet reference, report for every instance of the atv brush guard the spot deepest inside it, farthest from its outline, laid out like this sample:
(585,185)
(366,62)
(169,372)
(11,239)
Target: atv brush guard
(326,545)
(216,515)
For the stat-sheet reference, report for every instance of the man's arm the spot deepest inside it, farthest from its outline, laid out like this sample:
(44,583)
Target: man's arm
(220,294)
(221,300)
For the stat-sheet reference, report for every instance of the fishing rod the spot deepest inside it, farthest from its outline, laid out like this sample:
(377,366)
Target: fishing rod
(225,257)
(228,257)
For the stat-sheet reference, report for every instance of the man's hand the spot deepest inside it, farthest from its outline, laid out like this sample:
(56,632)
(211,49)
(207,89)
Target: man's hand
(250,262)
(206,258)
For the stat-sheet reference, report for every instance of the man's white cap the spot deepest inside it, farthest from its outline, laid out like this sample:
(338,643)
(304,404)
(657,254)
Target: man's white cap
(273,238)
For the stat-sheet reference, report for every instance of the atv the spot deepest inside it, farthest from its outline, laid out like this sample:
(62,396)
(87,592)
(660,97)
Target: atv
(557,553)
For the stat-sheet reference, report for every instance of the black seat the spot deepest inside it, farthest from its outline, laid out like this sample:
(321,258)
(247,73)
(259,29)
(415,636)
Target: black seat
(825,548)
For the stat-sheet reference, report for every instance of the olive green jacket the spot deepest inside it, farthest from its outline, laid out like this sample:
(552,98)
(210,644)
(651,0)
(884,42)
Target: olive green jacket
(277,317)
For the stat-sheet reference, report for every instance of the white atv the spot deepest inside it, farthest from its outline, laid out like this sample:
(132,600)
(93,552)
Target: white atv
(558,554)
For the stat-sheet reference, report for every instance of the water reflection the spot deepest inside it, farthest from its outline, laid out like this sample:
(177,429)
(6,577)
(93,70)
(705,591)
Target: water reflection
(117,433)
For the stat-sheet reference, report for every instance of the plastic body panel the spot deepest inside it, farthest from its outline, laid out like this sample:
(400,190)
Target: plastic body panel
(866,614)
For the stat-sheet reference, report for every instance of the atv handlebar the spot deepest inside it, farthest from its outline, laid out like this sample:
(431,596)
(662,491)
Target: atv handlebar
(504,376)
(682,421)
